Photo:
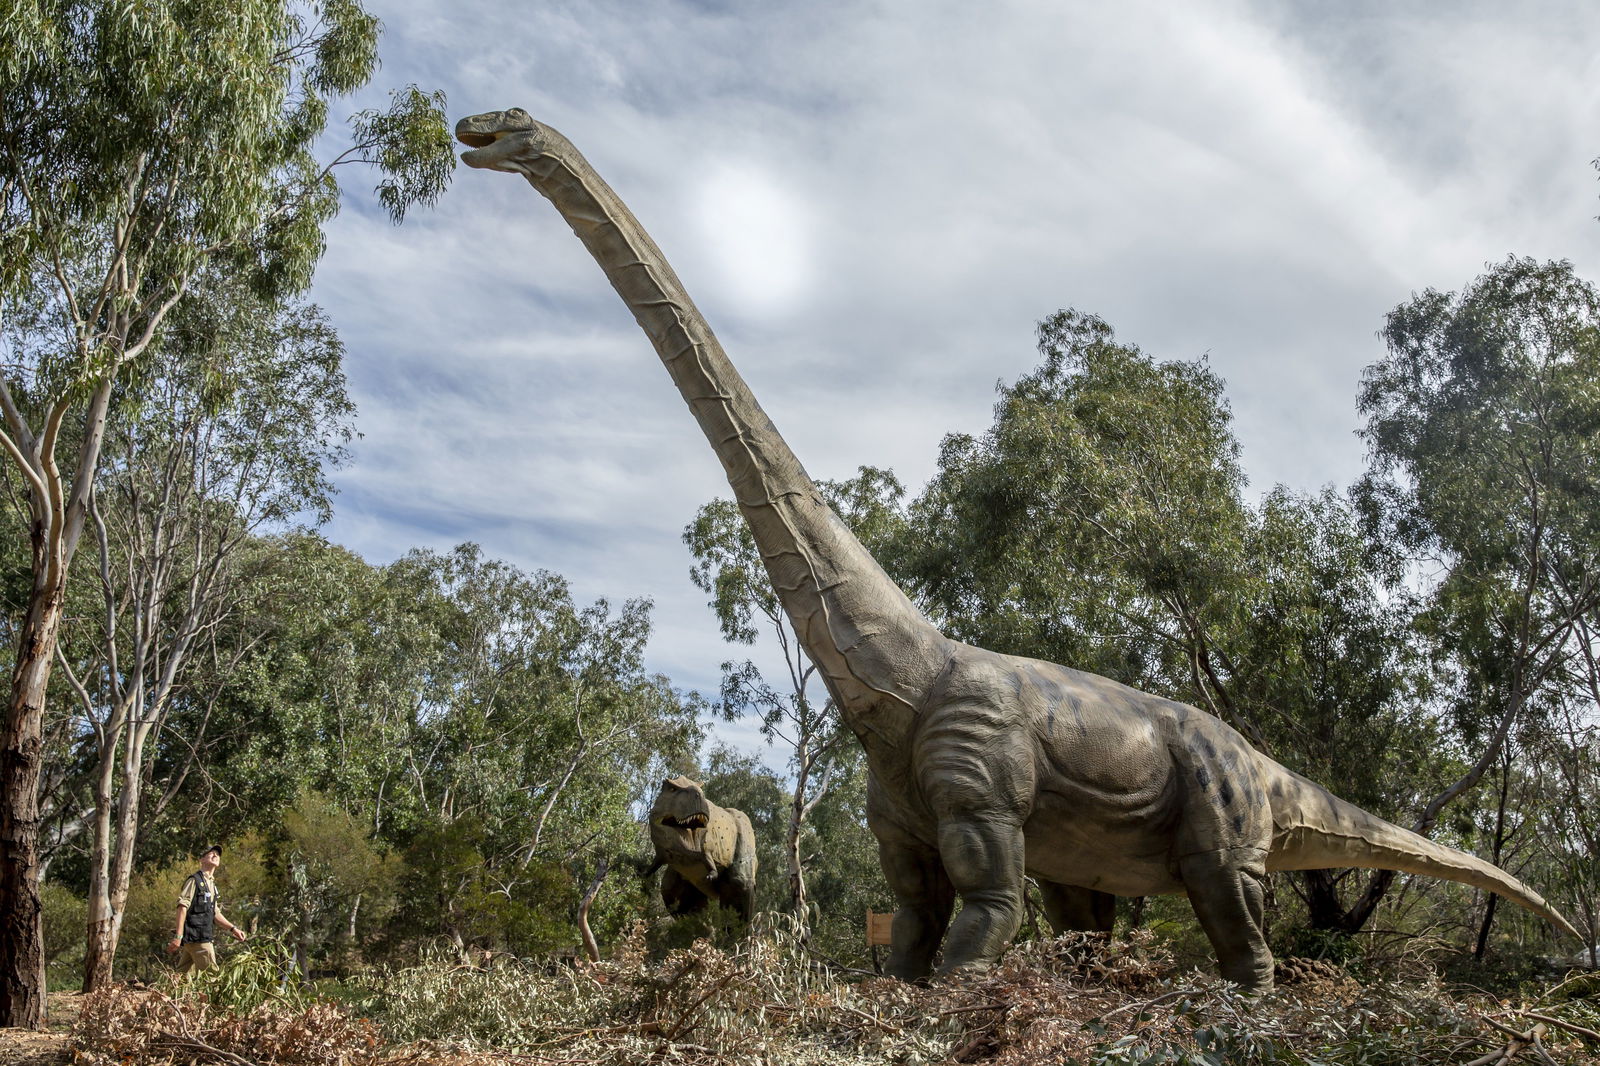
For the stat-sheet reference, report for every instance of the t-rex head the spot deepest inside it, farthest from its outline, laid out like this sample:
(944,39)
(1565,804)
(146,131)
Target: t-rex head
(680,814)
(505,140)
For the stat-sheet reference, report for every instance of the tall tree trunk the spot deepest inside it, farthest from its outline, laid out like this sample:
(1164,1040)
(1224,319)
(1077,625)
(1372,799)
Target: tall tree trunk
(591,946)
(350,926)
(99,940)
(22,985)
(58,516)
(1499,846)
(115,868)
(791,850)
(1324,909)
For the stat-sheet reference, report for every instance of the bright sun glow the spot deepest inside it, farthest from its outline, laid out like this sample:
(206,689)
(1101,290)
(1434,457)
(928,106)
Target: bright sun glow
(758,235)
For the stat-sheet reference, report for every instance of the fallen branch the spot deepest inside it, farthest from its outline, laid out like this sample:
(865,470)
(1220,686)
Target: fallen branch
(1146,1005)
(1590,1033)
(1518,1043)
(195,1046)
(689,1012)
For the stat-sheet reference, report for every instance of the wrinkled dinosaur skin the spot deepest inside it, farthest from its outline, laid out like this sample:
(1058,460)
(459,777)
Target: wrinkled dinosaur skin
(984,767)
(709,851)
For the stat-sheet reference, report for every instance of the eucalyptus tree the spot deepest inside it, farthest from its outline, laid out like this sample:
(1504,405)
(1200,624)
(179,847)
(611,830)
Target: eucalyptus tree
(141,143)
(229,432)
(1098,522)
(1482,422)
(537,734)
(797,712)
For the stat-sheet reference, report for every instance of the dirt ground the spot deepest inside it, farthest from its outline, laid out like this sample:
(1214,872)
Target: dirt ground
(25,1047)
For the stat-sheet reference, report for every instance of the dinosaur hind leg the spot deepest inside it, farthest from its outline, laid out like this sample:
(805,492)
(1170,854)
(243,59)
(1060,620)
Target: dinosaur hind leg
(1227,889)
(680,895)
(1070,907)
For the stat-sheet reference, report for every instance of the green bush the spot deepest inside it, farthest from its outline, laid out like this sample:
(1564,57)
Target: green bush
(263,972)
(66,916)
(506,1004)
(1331,944)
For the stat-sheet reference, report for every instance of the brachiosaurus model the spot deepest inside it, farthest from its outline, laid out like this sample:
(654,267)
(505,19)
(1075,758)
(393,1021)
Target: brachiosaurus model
(984,767)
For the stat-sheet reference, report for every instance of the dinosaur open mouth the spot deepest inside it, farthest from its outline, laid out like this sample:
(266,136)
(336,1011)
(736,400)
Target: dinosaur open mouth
(475,139)
(692,821)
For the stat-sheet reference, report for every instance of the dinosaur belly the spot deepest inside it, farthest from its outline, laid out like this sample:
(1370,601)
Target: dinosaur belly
(1097,846)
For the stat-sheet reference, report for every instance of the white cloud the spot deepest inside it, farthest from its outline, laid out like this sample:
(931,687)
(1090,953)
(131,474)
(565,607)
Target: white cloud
(874,203)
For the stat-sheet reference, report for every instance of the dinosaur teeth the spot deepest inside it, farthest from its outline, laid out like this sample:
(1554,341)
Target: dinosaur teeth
(692,821)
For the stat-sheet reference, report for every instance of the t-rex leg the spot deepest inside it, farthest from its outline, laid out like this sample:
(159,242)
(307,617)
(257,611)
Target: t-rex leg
(925,899)
(1070,907)
(679,894)
(1227,891)
(737,895)
(983,855)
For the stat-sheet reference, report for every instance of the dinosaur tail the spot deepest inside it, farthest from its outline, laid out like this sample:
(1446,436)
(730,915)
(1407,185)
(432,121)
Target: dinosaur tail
(1316,830)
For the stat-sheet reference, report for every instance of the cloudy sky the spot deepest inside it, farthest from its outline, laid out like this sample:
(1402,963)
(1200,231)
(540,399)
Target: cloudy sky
(874,202)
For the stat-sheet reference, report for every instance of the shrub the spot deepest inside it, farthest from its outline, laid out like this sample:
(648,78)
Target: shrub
(66,915)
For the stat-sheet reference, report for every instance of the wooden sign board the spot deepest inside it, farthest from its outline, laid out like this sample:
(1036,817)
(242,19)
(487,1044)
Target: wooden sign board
(878,926)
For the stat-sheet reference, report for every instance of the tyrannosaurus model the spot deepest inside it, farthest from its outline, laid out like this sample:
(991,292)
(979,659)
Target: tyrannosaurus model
(984,767)
(709,851)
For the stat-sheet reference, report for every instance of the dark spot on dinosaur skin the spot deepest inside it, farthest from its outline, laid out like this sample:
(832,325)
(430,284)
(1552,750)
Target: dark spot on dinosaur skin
(1238,823)
(1202,777)
(1209,749)
(1225,790)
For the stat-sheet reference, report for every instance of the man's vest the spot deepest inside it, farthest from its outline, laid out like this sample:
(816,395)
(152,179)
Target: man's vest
(202,911)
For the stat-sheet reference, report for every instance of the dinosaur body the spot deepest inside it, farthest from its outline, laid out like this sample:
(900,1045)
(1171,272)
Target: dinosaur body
(984,767)
(709,851)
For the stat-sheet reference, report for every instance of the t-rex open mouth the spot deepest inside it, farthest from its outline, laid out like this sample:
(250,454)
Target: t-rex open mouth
(692,821)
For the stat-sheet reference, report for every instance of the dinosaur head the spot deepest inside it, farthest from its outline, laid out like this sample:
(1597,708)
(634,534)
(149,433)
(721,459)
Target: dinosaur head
(504,139)
(680,814)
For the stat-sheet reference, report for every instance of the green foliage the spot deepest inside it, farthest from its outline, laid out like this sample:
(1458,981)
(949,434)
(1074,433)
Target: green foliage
(149,917)
(1098,522)
(191,127)
(262,972)
(502,1005)
(337,888)
(450,890)
(66,914)
(1482,422)
(410,143)
(1334,945)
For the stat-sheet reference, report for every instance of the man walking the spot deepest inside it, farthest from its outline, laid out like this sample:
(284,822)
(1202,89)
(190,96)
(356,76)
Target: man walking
(199,912)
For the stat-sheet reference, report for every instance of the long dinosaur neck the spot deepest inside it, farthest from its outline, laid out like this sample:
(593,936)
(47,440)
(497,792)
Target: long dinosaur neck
(877,652)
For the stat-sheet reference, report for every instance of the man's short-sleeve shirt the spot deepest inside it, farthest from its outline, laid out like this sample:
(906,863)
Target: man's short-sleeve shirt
(186,894)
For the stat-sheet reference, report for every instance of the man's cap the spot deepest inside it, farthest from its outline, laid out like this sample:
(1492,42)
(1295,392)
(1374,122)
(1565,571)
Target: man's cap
(216,848)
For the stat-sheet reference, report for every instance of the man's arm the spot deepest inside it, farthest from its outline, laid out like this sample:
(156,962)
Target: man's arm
(177,938)
(238,934)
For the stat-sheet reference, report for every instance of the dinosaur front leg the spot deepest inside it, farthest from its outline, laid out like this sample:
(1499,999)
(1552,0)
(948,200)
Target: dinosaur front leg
(976,773)
(1070,907)
(925,899)
(983,855)
(1227,890)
